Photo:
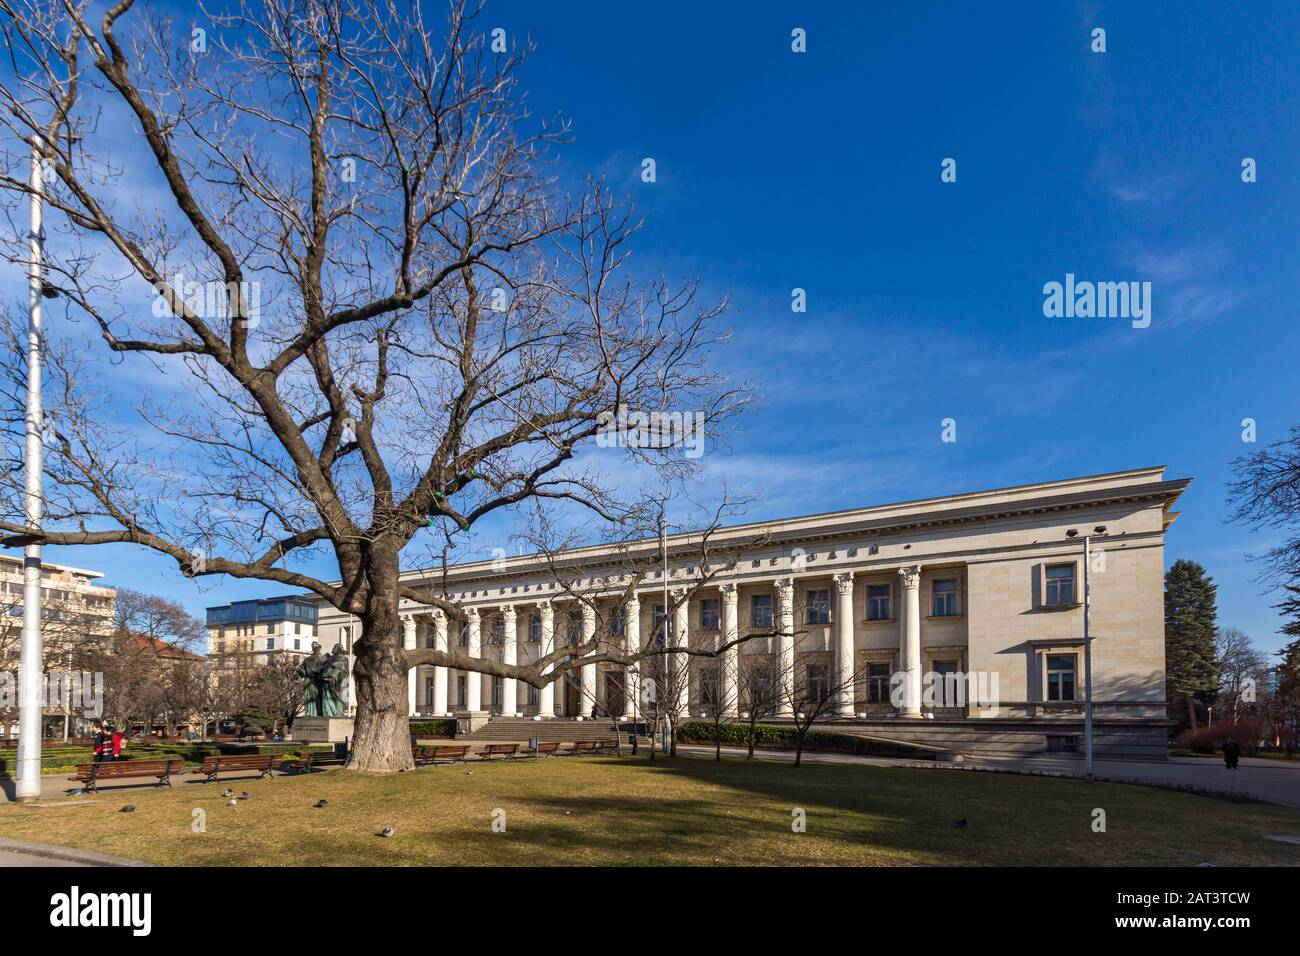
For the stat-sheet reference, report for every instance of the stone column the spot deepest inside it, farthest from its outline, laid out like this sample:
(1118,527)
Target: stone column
(730,671)
(632,645)
(785,647)
(546,696)
(440,674)
(681,638)
(473,679)
(587,685)
(509,655)
(408,642)
(844,643)
(910,640)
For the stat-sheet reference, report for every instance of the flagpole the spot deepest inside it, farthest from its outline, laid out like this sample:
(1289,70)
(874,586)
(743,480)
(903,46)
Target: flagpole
(30,665)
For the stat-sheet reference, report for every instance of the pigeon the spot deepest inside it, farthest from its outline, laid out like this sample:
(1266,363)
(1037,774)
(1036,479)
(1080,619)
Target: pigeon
(387,832)
(227,792)
(129,808)
(469,773)
(960,823)
(322,803)
(245,795)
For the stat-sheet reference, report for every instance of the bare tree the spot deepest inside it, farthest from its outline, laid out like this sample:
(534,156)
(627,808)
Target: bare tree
(388,316)
(813,694)
(1241,666)
(761,690)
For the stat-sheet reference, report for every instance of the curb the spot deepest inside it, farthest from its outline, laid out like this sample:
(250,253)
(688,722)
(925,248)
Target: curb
(85,857)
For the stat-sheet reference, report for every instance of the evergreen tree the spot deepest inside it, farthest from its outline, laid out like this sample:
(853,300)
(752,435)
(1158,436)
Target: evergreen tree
(1191,666)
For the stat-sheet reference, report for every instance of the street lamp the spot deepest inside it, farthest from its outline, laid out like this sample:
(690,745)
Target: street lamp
(1097,532)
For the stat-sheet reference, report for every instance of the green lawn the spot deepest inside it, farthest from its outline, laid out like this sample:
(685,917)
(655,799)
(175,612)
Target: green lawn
(611,810)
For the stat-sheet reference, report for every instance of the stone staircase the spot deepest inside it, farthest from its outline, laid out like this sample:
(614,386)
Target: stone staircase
(566,731)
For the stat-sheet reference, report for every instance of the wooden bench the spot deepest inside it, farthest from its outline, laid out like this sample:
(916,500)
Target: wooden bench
(491,751)
(606,746)
(312,759)
(546,748)
(446,754)
(580,747)
(262,764)
(91,775)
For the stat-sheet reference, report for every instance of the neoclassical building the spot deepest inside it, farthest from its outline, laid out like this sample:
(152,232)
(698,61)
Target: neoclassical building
(954,621)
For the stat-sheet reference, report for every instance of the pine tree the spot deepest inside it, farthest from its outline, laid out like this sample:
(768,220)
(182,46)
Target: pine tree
(1287,698)
(1191,667)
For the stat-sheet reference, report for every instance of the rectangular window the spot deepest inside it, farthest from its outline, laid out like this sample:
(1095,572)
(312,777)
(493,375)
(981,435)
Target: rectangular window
(709,689)
(1060,585)
(270,628)
(709,614)
(460,690)
(573,629)
(945,598)
(878,682)
(760,686)
(270,643)
(818,606)
(499,628)
(618,625)
(297,643)
(878,608)
(1060,676)
(760,610)
(496,691)
(534,698)
(816,677)
(535,629)
(428,693)
(660,625)
(462,639)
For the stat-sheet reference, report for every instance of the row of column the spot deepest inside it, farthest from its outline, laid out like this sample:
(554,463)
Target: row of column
(909,651)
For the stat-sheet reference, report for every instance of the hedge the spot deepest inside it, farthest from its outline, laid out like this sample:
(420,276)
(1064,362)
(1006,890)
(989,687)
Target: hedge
(56,760)
(433,728)
(779,737)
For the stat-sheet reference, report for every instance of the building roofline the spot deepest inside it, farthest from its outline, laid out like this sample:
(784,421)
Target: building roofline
(873,519)
(53,566)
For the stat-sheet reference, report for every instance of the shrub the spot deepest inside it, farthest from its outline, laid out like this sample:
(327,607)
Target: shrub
(778,737)
(433,728)
(1248,732)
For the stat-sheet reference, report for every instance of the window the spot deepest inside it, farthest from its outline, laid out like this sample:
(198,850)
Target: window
(760,610)
(270,643)
(618,625)
(878,682)
(270,628)
(661,626)
(944,593)
(1060,585)
(819,606)
(496,691)
(535,629)
(534,696)
(709,614)
(463,639)
(297,643)
(1060,676)
(297,627)
(460,690)
(878,603)
(816,677)
(428,692)
(710,690)
(1062,744)
(499,628)
(573,629)
(760,687)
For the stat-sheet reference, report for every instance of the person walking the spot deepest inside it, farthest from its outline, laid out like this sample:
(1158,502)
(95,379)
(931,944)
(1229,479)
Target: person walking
(102,743)
(1231,753)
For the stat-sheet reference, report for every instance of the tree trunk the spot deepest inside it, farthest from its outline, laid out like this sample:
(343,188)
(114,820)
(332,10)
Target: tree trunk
(1191,712)
(382,731)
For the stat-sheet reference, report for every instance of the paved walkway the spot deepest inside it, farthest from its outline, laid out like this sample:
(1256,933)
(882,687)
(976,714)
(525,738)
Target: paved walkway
(1275,781)
(14,853)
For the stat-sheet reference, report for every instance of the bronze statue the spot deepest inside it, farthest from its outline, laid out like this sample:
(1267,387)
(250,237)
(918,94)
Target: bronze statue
(324,682)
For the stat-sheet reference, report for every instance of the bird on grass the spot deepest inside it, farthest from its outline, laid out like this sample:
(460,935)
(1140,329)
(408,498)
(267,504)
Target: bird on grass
(245,796)
(387,832)
(227,792)
(129,808)
(959,824)
(321,804)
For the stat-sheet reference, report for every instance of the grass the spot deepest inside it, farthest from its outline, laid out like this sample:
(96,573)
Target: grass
(612,810)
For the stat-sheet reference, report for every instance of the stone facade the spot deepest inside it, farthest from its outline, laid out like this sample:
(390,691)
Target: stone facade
(894,606)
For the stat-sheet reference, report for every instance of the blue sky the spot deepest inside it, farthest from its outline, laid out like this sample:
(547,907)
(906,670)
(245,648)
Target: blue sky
(821,171)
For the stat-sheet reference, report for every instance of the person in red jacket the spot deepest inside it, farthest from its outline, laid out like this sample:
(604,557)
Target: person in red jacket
(118,739)
(103,743)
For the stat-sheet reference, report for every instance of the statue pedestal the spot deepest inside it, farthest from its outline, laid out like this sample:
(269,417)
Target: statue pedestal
(322,730)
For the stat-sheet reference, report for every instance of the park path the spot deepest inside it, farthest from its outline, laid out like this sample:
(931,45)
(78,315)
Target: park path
(1274,781)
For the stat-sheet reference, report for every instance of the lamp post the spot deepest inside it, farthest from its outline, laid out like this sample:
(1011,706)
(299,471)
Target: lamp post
(31,653)
(1097,532)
